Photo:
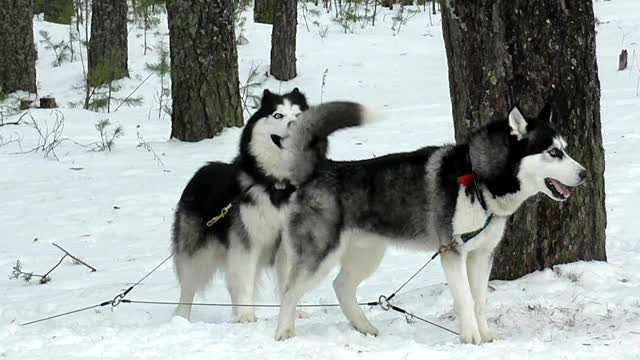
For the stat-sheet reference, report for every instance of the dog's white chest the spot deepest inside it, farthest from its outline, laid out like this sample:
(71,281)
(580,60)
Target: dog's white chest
(468,216)
(262,220)
(472,217)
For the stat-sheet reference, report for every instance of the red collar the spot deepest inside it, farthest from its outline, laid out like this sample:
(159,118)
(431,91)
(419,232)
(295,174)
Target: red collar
(465,179)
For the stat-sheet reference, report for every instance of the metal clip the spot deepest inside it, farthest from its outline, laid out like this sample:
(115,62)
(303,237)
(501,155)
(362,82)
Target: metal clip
(117,300)
(217,218)
(384,303)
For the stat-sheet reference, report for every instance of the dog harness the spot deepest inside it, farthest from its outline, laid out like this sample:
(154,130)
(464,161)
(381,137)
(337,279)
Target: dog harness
(465,180)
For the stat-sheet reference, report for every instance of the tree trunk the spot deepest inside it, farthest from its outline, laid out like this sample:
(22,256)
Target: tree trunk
(18,54)
(108,51)
(502,53)
(264,10)
(204,68)
(283,40)
(58,11)
(38,7)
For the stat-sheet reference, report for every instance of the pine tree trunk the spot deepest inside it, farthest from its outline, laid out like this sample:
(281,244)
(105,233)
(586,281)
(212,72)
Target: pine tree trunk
(58,11)
(108,51)
(263,11)
(204,68)
(283,40)
(38,7)
(18,53)
(504,52)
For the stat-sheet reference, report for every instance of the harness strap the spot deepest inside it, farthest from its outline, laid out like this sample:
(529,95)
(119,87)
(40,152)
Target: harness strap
(471,234)
(465,180)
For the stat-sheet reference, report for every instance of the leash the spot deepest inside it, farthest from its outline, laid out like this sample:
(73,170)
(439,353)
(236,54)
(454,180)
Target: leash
(120,298)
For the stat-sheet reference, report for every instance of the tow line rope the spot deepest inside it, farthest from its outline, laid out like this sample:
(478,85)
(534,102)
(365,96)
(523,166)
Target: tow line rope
(384,302)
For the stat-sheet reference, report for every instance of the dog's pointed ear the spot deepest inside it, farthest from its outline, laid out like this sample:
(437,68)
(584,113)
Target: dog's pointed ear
(545,113)
(266,95)
(517,123)
(295,91)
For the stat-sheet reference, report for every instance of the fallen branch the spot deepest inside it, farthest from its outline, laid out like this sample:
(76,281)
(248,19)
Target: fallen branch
(2,123)
(27,276)
(75,258)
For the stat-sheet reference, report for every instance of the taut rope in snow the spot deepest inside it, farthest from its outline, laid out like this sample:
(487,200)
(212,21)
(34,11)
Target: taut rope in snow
(383,301)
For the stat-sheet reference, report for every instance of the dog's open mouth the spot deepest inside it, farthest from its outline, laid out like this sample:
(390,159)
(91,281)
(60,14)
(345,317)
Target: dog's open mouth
(558,189)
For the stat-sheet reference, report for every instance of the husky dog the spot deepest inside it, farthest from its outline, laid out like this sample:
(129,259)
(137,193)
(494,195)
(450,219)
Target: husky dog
(345,212)
(254,191)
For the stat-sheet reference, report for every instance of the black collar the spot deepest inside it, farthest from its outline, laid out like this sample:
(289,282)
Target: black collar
(280,192)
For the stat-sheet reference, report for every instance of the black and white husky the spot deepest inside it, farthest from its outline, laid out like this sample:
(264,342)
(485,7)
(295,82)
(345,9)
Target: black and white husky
(254,190)
(346,212)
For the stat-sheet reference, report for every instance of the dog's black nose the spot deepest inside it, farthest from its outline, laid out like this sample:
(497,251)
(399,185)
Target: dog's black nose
(583,175)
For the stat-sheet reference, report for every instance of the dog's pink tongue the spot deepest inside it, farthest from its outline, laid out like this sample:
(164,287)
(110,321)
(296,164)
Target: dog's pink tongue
(565,191)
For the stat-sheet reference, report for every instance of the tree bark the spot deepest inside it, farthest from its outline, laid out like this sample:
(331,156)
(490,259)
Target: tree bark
(57,11)
(108,52)
(502,53)
(18,55)
(283,40)
(204,68)
(264,10)
(38,7)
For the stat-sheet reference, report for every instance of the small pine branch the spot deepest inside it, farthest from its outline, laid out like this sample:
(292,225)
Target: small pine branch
(107,141)
(145,145)
(62,50)
(324,83)
(18,273)
(255,81)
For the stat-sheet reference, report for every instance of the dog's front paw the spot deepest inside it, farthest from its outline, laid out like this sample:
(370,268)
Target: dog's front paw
(366,329)
(246,318)
(485,333)
(285,334)
(487,338)
(470,334)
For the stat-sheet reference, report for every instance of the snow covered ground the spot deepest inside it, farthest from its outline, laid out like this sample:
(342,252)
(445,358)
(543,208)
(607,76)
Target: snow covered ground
(114,210)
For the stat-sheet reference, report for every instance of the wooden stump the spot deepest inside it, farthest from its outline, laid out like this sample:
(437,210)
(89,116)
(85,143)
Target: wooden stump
(622,60)
(48,103)
(25,104)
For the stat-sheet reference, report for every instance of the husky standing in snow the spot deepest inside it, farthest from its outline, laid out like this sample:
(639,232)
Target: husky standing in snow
(254,191)
(346,212)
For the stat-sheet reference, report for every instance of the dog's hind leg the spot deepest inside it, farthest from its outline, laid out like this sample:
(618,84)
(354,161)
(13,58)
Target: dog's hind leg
(196,259)
(455,269)
(194,273)
(241,271)
(357,265)
(185,271)
(478,270)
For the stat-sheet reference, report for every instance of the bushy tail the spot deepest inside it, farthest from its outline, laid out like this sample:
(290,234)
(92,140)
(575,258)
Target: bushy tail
(306,144)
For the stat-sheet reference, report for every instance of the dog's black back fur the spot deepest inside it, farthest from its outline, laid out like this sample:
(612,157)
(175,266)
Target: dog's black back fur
(212,188)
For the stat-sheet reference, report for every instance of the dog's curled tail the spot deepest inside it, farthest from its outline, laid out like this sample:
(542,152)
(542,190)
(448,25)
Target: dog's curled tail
(306,144)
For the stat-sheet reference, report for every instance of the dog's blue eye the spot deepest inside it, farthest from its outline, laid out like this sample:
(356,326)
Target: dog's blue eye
(278,116)
(555,153)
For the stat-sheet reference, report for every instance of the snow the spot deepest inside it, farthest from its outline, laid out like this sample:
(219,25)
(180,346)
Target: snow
(114,210)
